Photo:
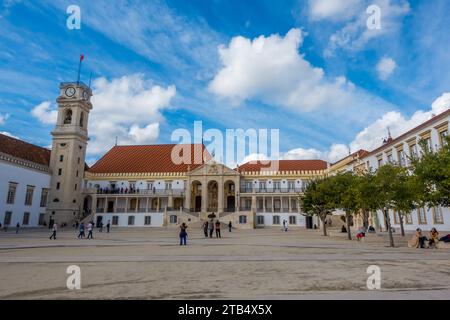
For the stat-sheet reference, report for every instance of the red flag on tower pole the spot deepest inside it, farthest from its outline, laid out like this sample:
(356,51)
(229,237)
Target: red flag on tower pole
(79,68)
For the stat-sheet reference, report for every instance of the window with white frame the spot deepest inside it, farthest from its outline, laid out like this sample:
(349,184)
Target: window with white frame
(422,216)
(148,220)
(276,220)
(438,216)
(7,219)
(242,219)
(29,196)
(173,219)
(44,196)
(292,220)
(408,219)
(168,185)
(115,220)
(11,193)
(131,220)
(26,218)
(259,219)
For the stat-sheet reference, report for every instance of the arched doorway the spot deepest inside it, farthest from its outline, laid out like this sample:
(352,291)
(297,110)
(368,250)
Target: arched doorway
(213,196)
(196,196)
(230,196)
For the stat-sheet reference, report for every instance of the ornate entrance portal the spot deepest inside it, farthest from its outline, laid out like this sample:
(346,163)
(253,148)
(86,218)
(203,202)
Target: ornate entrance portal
(213,196)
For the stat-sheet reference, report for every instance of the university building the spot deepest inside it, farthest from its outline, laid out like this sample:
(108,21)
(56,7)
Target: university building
(24,182)
(400,151)
(142,186)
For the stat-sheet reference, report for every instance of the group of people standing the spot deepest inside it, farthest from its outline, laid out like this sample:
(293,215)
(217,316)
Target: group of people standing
(208,229)
(210,226)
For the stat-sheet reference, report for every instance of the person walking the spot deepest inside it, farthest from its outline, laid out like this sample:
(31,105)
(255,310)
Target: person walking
(81,235)
(211,228)
(108,225)
(183,233)
(100,226)
(89,229)
(205,229)
(218,229)
(285,224)
(17,227)
(54,229)
(229,226)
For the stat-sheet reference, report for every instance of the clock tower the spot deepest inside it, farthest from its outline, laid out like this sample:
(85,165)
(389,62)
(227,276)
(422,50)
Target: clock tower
(67,161)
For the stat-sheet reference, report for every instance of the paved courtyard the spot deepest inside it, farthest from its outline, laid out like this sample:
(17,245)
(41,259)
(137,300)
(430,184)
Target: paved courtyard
(243,264)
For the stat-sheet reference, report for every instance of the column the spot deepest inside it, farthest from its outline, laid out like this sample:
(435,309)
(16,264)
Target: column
(157,205)
(116,204)
(170,202)
(254,203)
(94,205)
(220,197)
(264,204)
(273,210)
(137,205)
(146,207)
(187,197)
(126,205)
(289,204)
(204,196)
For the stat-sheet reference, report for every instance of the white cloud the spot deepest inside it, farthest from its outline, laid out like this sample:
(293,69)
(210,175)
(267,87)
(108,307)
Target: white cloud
(128,108)
(386,67)
(45,113)
(355,34)
(142,135)
(3,118)
(9,134)
(270,69)
(372,136)
(254,157)
(336,152)
(332,9)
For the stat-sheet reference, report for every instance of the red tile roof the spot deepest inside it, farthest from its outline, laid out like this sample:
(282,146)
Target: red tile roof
(148,159)
(24,150)
(285,165)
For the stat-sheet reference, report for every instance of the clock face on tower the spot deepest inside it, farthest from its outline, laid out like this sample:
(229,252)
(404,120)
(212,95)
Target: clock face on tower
(70,91)
(85,95)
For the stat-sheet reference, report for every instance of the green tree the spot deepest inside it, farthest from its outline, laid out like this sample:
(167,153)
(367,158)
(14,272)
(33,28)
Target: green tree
(345,196)
(384,196)
(406,193)
(317,200)
(365,191)
(433,173)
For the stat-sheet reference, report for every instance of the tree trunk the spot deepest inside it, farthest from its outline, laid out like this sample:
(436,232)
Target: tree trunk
(401,223)
(324,225)
(349,234)
(365,219)
(388,221)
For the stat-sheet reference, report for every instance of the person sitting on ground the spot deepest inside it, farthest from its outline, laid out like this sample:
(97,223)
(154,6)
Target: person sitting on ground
(433,238)
(418,240)
(371,229)
(343,229)
(443,239)
(360,234)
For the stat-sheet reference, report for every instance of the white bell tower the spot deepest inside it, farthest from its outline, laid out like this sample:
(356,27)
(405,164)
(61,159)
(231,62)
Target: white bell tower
(67,162)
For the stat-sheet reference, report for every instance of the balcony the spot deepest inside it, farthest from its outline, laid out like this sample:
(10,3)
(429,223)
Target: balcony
(137,192)
(276,190)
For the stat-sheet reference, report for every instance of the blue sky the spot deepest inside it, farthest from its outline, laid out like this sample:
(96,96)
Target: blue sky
(311,69)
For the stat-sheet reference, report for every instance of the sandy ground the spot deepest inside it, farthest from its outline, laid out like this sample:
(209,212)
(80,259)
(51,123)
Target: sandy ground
(244,264)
